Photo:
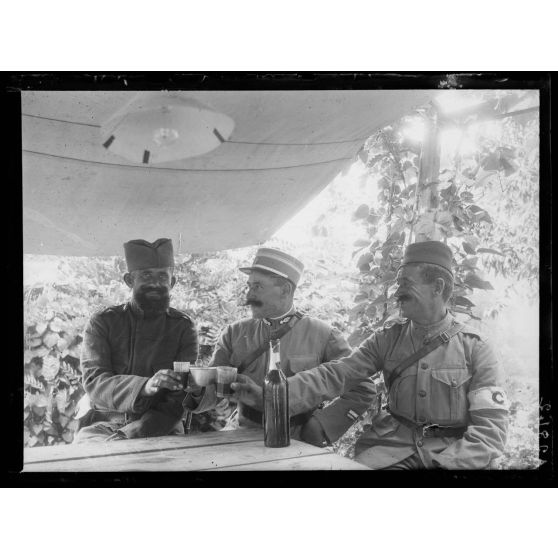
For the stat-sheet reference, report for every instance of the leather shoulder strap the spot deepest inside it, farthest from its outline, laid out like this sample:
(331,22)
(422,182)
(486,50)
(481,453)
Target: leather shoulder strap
(251,357)
(434,343)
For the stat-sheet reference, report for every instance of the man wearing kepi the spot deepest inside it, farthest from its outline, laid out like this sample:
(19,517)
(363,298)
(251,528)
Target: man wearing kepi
(446,404)
(128,353)
(305,342)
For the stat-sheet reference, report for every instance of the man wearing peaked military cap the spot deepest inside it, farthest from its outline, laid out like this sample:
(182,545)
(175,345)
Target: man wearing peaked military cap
(128,353)
(446,405)
(272,279)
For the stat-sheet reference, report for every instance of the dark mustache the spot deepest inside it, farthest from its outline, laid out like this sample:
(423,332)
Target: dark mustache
(252,302)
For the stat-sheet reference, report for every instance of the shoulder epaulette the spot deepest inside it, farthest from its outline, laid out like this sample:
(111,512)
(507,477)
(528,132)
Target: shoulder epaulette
(471,330)
(174,313)
(119,308)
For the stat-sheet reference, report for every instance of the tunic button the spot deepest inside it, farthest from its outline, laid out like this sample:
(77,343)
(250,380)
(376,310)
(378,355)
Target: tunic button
(424,365)
(454,382)
(422,393)
(419,443)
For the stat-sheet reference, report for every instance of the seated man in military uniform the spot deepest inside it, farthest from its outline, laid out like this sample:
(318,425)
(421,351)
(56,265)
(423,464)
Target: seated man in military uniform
(305,342)
(446,404)
(128,353)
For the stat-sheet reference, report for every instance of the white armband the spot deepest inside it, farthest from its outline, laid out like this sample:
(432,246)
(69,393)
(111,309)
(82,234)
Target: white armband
(491,397)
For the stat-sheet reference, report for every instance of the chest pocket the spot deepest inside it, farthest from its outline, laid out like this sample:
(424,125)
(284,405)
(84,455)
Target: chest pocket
(298,363)
(448,394)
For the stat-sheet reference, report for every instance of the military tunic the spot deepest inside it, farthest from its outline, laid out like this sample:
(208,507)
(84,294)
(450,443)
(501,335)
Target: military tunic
(121,350)
(456,385)
(309,343)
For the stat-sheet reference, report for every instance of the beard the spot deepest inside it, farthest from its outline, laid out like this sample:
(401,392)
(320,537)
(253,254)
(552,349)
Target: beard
(152,306)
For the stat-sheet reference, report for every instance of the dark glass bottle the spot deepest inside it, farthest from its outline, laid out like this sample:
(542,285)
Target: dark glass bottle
(276,402)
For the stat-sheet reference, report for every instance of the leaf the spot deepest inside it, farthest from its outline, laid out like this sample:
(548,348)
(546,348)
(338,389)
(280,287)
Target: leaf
(491,162)
(444,218)
(40,351)
(361,212)
(73,425)
(360,297)
(474,281)
(388,276)
(472,240)
(383,183)
(61,400)
(468,248)
(380,299)
(50,339)
(364,261)
(51,365)
(375,159)
(449,191)
(68,436)
(462,301)
(373,218)
(56,325)
(371,311)
(355,310)
(40,402)
(36,428)
(470,262)
(490,251)
(458,223)
(40,327)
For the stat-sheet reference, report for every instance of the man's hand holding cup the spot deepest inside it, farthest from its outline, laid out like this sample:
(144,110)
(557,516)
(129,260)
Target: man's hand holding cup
(163,379)
(247,391)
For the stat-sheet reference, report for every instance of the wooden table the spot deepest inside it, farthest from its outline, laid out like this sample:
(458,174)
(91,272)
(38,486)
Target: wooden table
(234,450)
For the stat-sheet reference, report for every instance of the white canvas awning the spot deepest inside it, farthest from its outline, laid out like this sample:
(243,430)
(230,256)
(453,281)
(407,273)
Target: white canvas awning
(80,199)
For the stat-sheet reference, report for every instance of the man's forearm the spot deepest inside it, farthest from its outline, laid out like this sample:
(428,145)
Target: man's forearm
(483,441)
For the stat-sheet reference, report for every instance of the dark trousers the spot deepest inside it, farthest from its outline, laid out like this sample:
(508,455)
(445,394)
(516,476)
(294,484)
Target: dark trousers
(409,464)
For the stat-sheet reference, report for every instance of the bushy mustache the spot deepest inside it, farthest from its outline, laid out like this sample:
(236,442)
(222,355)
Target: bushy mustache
(253,302)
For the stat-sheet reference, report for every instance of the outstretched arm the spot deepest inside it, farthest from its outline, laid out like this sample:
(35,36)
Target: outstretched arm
(328,424)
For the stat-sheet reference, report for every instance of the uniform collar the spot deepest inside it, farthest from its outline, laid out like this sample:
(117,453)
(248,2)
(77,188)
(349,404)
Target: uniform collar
(137,311)
(280,320)
(428,331)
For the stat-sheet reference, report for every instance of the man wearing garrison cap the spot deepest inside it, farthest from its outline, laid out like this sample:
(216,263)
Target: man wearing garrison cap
(128,353)
(446,405)
(272,280)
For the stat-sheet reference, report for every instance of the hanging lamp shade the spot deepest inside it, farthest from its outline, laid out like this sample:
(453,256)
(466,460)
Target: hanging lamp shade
(160,127)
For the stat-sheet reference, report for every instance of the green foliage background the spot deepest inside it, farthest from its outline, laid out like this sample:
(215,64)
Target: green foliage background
(485,206)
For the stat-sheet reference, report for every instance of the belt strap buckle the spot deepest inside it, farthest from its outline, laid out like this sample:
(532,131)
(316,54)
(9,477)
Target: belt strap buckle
(426,433)
(445,336)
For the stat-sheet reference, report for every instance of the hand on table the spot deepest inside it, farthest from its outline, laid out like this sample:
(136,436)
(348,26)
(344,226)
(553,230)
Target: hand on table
(247,391)
(313,433)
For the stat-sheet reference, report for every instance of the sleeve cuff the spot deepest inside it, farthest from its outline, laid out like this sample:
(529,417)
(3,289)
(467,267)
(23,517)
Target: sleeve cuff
(140,403)
(335,420)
